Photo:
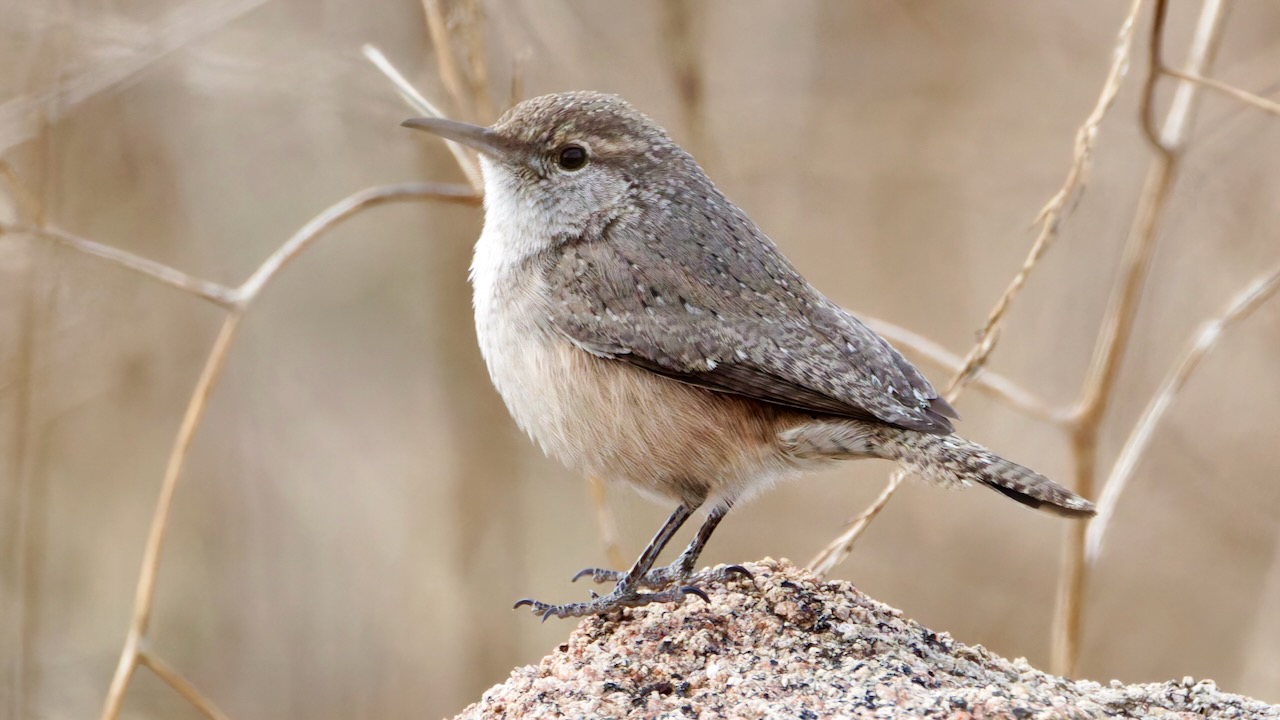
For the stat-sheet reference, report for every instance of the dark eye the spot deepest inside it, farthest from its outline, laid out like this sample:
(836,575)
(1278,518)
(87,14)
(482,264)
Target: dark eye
(572,157)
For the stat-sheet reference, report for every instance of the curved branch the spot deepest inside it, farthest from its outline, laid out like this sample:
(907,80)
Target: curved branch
(1254,295)
(215,293)
(340,211)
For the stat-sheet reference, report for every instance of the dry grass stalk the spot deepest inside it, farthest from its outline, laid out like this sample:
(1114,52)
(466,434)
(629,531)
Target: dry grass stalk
(175,680)
(519,68)
(605,523)
(215,293)
(449,73)
(1248,98)
(25,202)
(1049,220)
(1050,217)
(1241,306)
(839,549)
(994,384)
(26,495)
(477,55)
(1117,326)
(144,595)
(132,654)
(466,161)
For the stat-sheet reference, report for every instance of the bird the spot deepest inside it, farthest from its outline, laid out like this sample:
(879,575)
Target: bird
(641,328)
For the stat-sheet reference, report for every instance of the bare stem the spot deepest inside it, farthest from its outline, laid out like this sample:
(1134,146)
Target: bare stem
(144,595)
(519,68)
(477,54)
(215,293)
(340,211)
(242,297)
(605,524)
(175,680)
(1049,220)
(994,384)
(838,549)
(1263,104)
(461,155)
(1117,326)
(1241,306)
(28,205)
(1051,215)
(449,73)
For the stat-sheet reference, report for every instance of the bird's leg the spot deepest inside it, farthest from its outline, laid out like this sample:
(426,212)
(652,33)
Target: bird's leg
(626,592)
(682,568)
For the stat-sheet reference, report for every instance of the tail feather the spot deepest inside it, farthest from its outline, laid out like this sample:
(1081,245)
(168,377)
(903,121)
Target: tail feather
(947,460)
(952,460)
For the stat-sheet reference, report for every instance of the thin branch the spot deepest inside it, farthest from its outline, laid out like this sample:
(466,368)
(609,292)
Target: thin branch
(838,549)
(215,293)
(479,61)
(1049,219)
(27,204)
(449,73)
(519,68)
(175,680)
(145,593)
(1241,306)
(461,155)
(605,524)
(1155,70)
(131,653)
(994,384)
(340,211)
(1117,326)
(1257,101)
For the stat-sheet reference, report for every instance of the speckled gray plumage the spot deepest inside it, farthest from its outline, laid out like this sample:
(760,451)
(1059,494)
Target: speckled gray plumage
(641,328)
(681,282)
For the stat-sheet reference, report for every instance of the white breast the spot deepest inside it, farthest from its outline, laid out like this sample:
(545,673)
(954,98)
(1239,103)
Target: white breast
(601,417)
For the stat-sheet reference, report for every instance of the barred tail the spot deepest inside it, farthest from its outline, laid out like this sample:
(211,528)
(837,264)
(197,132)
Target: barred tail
(952,460)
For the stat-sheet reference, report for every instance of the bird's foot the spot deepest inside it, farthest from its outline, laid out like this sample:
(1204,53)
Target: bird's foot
(620,597)
(661,577)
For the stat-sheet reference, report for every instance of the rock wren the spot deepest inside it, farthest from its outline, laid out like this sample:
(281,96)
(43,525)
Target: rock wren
(641,328)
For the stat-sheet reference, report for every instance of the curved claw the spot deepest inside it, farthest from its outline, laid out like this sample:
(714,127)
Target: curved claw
(691,590)
(739,570)
(550,611)
(584,572)
(526,601)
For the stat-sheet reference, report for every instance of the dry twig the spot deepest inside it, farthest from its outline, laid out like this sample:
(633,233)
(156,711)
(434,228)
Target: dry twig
(215,293)
(605,524)
(132,654)
(449,73)
(181,685)
(461,155)
(1049,220)
(1241,306)
(1117,326)
(994,384)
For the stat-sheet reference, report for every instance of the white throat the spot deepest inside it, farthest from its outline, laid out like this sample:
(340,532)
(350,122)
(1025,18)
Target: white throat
(514,228)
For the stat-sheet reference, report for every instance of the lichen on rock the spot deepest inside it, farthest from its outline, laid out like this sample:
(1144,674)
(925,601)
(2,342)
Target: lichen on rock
(786,644)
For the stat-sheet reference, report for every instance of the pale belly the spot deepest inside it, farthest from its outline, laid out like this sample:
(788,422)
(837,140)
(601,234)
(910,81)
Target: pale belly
(605,418)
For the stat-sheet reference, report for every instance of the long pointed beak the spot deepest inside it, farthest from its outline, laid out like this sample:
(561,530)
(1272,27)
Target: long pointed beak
(473,136)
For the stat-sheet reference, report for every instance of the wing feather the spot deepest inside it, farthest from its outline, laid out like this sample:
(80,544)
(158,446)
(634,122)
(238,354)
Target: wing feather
(728,313)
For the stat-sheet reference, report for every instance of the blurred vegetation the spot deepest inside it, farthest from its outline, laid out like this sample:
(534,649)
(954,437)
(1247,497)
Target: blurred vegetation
(358,512)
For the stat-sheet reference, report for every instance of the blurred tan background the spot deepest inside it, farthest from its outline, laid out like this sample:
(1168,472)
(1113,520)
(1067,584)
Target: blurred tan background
(359,512)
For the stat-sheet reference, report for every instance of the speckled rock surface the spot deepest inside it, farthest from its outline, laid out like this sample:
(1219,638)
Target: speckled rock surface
(784,645)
